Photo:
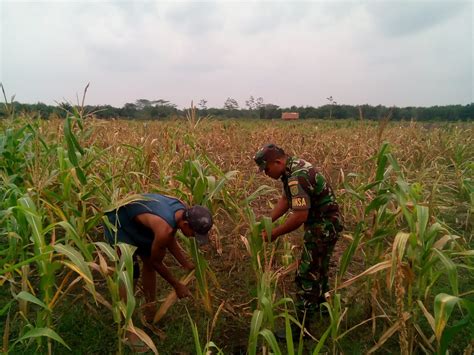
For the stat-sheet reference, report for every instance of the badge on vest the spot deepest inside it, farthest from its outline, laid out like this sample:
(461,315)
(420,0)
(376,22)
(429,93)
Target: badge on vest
(294,190)
(298,202)
(293,187)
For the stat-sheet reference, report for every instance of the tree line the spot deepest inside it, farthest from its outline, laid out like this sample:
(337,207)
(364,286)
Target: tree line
(144,109)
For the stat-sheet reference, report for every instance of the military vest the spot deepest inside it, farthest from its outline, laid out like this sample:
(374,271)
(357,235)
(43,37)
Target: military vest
(306,189)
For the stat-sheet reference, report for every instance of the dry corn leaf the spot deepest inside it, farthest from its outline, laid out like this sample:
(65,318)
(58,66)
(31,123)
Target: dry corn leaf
(171,299)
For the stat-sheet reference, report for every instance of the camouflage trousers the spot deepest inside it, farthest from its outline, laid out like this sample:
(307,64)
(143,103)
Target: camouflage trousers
(312,274)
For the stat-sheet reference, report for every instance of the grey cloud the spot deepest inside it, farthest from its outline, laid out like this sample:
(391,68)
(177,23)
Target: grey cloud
(119,59)
(244,17)
(421,51)
(194,18)
(134,13)
(402,18)
(271,16)
(116,36)
(265,17)
(197,63)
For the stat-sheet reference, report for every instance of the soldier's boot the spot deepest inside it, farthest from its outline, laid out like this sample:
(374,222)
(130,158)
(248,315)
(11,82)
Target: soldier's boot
(321,309)
(296,332)
(304,316)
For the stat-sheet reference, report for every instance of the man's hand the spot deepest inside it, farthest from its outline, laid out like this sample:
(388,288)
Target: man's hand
(182,291)
(265,236)
(189,266)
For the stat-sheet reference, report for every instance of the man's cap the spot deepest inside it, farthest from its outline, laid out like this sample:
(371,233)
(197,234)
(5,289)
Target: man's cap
(268,152)
(200,221)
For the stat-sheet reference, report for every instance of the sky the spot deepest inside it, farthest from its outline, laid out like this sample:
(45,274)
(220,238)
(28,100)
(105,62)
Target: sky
(403,53)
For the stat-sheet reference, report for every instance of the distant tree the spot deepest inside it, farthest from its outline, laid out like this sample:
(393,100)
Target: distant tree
(143,103)
(270,111)
(42,110)
(332,103)
(105,111)
(202,104)
(149,109)
(162,108)
(254,103)
(231,104)
(250,103)
(161,102)
(155,109)
(129,110)
(466,112)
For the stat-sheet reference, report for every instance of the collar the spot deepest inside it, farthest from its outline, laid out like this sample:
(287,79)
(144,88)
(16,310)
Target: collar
(287,172)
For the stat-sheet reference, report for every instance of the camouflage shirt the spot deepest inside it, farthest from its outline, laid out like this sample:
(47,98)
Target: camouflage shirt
(306,189)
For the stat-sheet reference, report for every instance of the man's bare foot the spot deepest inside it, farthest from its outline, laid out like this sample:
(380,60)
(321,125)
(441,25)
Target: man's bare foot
(135,343)
(149,311)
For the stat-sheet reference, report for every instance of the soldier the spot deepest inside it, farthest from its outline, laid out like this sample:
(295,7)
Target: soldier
(312,202)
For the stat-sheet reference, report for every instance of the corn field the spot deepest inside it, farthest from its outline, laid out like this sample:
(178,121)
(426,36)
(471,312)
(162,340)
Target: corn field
(402,275)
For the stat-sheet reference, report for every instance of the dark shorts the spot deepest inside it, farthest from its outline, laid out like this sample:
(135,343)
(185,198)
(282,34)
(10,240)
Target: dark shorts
(122,238)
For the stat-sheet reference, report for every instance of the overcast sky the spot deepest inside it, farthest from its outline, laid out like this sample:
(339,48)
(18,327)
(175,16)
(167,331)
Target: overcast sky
(388,52)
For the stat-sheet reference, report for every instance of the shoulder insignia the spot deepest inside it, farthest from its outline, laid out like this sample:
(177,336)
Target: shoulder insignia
(294,189)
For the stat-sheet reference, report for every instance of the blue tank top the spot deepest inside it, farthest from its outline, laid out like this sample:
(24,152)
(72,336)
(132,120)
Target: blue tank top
(131,232)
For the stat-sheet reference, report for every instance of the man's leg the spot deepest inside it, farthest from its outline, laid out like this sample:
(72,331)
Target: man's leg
(135,343)
(149,288)
(136,276)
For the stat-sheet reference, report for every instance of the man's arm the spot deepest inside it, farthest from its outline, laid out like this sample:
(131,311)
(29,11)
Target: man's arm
(177,251)
(163,238)
(296,219)
(280,208)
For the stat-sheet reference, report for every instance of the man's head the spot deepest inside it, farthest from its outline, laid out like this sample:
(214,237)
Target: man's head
(199,219)
(271,159)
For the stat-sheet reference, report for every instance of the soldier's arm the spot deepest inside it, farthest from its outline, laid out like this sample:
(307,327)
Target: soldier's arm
(293,222)
(300,205)
(280,208)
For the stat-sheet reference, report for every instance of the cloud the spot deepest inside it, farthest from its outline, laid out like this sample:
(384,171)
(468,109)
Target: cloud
(256,18)
(193,19)
(287,52)
(403,18)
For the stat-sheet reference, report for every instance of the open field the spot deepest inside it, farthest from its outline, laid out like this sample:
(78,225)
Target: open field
(402,274)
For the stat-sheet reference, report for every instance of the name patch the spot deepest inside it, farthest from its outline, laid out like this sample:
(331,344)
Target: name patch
(298,202)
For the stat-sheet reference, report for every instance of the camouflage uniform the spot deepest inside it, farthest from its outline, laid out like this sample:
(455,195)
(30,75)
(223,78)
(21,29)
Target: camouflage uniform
(306,189)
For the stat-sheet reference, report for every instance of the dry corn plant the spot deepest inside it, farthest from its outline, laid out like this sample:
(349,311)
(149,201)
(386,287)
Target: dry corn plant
(408,221)
(268,305)
(193,118)
(117,277)
(417,258)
